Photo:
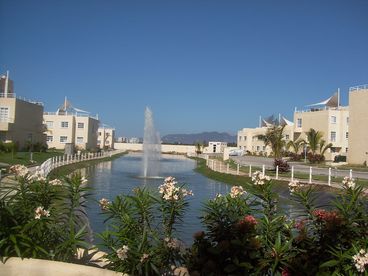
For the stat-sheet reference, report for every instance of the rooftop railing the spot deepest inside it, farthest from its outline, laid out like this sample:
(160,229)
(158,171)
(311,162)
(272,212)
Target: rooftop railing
(14,96)
(321,109)
(359,87)
(70,114)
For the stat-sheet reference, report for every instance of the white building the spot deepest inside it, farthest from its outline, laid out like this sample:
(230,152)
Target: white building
(71,125)
(215,147)
(106,137)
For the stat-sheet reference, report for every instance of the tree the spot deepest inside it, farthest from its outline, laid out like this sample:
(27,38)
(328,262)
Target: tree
(314,138)
(198,147)
(274,138)
(323,147)
(295,145)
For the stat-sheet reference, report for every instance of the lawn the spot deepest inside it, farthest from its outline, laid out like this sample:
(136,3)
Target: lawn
(24,158)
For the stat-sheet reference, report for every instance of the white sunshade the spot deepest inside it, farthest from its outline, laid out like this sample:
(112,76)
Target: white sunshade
(332,101)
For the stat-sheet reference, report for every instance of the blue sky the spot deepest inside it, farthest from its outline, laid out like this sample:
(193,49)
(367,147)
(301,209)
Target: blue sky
(199,65)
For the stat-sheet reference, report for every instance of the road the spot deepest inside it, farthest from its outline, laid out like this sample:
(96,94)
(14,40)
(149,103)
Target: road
(298,167)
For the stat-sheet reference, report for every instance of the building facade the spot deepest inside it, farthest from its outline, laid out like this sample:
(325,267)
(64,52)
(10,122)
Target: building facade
(71,125)
(332,122)
(358,125)
(215,147)
(249,140)
(106,137)
(20,120)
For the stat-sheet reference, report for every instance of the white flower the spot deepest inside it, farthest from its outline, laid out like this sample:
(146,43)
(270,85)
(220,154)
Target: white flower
(19,170)
(144,257)
(294,185)
(84,180)
(259,179)
(236,191)
(361,260)
(122,252)
(170,192)
(348,182)
(40,211)
(104,203)
(56,182)
(173,243)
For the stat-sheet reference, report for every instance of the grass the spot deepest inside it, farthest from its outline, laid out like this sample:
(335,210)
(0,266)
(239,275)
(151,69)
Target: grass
(68,169)
(24,158)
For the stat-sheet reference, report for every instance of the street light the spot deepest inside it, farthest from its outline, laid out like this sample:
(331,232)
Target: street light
(305,153)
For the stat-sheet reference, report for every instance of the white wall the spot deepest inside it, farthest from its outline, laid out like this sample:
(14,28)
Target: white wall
(164,148)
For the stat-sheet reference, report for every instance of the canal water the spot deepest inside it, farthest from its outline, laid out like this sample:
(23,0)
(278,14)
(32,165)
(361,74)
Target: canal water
(122,175)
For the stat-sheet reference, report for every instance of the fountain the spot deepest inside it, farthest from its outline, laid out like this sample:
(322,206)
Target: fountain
(151,147)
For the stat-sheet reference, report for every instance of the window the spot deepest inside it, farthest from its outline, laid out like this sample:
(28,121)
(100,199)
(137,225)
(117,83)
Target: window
(4,114)
(245,138)
(333,136)
(347,120)
(63,139)
(49,138)
(347,135)
(257,148)
(299,122)
(49,124)
(99,134)
(264,148)
(64,125)
(286,137)
(333,119)
(80,125)
(346,149)
(240,138)
(79,140)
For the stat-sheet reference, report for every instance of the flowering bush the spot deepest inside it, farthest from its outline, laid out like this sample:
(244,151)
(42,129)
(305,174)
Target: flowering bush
(42,218)
(141,228)
(282,164)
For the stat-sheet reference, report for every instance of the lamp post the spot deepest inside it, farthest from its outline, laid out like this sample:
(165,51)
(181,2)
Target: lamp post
(305,153)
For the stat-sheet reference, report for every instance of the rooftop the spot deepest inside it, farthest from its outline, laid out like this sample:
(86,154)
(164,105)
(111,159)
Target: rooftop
(13,95)
(359,87)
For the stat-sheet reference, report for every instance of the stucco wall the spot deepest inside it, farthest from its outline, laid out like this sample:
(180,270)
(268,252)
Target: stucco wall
(164,148)
(358,127)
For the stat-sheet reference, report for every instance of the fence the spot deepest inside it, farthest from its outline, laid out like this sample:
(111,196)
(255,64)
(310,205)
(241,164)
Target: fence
(308,176)
(57,161)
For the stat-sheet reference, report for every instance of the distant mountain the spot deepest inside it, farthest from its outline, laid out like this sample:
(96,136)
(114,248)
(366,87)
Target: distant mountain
(190,139)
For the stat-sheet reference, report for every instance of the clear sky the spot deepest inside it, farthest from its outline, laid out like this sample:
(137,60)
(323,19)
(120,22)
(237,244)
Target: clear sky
(200,65)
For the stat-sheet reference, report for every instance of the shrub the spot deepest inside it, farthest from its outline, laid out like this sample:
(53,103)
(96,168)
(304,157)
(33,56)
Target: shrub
(315,158)
(42,218)
(141,230)
(283,165)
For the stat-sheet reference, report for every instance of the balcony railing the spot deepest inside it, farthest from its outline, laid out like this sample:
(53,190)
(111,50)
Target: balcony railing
(359,87)
(70,114)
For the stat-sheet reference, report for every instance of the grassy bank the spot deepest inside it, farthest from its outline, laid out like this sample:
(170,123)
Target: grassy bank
(68,169)
(223,177)
(24,158)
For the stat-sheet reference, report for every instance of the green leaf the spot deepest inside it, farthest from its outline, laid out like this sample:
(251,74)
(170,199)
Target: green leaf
(330,263)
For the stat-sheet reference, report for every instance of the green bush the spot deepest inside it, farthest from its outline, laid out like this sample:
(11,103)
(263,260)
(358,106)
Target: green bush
(42,218)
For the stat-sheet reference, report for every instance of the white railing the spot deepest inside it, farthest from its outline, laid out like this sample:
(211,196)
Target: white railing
(220,166)
(57,161)
(359,87)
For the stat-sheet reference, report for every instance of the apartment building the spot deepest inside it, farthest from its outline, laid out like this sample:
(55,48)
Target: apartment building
(249,140)
(358,125)
(331,119)
(20,119)
(106,137)
(71,125)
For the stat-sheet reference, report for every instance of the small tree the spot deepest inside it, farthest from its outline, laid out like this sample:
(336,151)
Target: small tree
(274,138)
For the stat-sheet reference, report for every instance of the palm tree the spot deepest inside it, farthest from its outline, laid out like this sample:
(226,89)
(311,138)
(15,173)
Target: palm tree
(323,147)
(275,139)
(314,138)
(295,145)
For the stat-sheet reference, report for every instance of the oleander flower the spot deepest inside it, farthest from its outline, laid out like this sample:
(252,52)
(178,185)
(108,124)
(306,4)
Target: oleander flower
(41,212)
(19,170)
(361,260)
(172,193)
(122,252)
(247,224)
(104,203)
(348,182)
(84,180)
(259,179)
(56,182)
(236,191)
(144,257)
(173,243)
(294,186)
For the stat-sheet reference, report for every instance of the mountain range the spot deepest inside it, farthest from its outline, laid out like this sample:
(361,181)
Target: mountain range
(190,139)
